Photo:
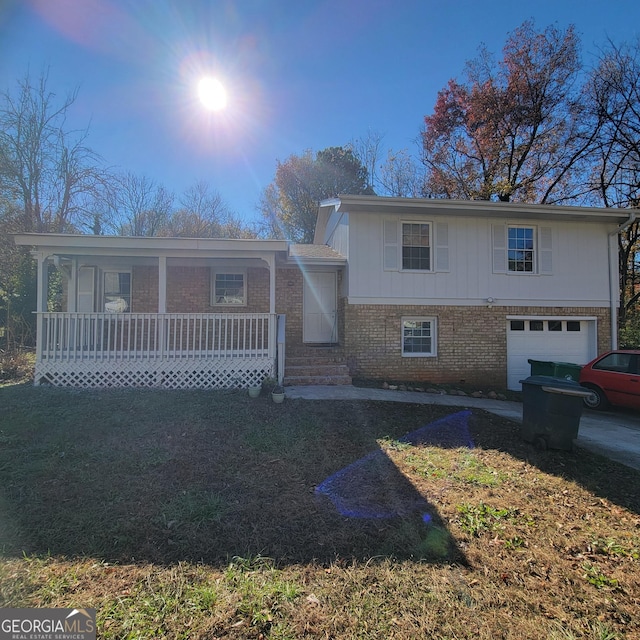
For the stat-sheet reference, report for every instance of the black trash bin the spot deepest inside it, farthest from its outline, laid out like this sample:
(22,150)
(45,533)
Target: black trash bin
(551,411)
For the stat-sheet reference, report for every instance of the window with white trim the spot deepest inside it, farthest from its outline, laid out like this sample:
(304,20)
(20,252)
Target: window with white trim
(228,288)
(418,337)
(416,246)
(522,249)
(117,291)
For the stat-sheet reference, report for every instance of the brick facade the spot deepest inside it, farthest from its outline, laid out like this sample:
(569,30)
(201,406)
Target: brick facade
(289,297)
(471,341)
(189,291)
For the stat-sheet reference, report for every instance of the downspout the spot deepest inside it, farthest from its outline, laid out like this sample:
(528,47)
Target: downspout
(614,277)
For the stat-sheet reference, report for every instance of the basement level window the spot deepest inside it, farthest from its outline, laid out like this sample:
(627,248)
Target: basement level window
(418,337)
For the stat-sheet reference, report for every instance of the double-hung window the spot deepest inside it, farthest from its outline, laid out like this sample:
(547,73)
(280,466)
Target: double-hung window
(416,246)
(228,288)
(522,249)
(418,337)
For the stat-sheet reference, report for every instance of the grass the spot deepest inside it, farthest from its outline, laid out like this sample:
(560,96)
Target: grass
(194,514)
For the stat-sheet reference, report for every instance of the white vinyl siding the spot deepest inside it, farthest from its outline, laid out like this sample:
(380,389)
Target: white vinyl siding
(575,258)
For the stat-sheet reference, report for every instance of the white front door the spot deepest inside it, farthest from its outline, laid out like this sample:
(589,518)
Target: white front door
(320,324)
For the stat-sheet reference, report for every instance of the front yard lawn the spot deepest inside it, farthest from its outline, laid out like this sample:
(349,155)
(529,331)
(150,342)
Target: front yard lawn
(195,514)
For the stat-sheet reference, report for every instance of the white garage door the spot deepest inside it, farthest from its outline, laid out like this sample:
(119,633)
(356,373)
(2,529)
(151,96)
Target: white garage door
(554,339)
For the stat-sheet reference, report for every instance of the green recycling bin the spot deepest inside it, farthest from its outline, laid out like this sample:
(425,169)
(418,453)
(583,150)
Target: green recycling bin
(551,411)
(565,370)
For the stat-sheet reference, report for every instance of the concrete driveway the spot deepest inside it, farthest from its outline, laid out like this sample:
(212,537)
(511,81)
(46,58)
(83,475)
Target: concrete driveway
(614,434)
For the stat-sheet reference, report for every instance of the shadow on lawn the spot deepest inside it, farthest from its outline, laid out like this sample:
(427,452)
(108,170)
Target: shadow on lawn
(131,475)
(139,475)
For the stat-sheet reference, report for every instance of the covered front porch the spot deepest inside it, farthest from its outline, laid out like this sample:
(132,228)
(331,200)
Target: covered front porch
(159,312)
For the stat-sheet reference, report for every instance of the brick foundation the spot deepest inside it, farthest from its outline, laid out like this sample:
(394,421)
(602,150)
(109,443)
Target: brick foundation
(471,341)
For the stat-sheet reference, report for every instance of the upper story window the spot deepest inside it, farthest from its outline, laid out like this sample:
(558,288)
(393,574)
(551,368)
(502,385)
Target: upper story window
(521,249)
(228,288)
(117,291)
(416,246)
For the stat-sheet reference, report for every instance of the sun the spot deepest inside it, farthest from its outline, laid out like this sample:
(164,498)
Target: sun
(212,94)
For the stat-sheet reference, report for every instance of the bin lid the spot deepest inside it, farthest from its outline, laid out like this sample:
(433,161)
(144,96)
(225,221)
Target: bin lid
(557,385)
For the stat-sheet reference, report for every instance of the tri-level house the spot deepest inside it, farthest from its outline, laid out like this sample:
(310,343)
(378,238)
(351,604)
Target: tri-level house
(391,288)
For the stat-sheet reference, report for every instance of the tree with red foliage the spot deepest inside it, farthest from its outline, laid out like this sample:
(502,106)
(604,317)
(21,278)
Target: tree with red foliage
(516,130)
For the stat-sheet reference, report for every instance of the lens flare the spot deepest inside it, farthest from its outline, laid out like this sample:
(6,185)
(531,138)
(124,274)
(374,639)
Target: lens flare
(212,94)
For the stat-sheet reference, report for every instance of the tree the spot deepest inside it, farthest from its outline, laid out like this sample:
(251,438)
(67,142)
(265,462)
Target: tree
(204,214)
(45,168)
(289,205)
(367,150)
(48,179)
(138,206)
(400,175)
(613,95)
(17,282)
(515,130)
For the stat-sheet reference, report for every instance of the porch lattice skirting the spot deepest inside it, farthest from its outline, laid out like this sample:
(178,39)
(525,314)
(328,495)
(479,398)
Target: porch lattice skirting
(187,374)
(172,351)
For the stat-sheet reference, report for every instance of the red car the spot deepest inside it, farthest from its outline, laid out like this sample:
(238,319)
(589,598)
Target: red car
(614,378)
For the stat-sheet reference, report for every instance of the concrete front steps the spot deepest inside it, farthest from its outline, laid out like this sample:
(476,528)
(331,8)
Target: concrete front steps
(316,368)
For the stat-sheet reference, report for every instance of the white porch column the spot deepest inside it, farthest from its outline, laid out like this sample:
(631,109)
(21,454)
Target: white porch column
(162,284)
(72,287)
(271,261)
(43,282)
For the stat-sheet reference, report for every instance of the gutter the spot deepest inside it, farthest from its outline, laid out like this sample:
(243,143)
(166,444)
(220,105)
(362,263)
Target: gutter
(614,278)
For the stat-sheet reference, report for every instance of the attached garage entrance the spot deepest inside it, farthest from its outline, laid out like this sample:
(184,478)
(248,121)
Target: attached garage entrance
(563,339)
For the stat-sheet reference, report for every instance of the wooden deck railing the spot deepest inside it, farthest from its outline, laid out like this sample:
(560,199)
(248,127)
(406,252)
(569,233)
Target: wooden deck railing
(152,336)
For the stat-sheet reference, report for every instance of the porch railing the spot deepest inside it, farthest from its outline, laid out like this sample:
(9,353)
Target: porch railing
(152,336)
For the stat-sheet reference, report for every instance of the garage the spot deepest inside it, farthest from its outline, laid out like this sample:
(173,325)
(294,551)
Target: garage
(563,339)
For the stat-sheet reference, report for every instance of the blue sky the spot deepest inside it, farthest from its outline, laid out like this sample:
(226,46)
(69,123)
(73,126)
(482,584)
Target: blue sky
(300,74)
